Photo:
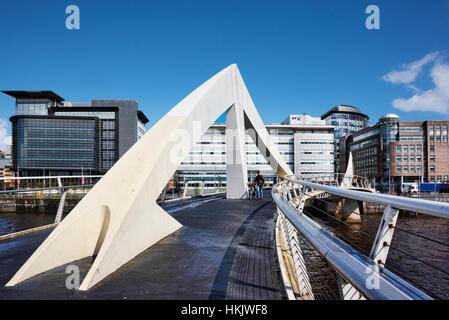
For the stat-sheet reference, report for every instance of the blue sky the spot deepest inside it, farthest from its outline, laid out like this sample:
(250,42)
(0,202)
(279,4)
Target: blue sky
(295,56)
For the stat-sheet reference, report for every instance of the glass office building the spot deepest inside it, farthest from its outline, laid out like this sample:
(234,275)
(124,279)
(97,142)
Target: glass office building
(107,148)
(305,143)
(55,138)
(346,120)
(68,143)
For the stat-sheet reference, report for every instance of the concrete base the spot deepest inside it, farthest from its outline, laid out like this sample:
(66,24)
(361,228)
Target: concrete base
(349,211)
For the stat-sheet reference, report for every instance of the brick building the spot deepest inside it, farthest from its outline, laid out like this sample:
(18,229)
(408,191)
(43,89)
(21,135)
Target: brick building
(394,153)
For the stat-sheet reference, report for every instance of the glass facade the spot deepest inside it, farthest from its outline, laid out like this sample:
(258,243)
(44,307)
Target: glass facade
(108,134)
(32,108)
(346,124)
(389,128)
(346,121)
(65,143)
(55,137)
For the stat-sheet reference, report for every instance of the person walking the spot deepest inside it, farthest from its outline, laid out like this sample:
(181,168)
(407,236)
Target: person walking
(259,181)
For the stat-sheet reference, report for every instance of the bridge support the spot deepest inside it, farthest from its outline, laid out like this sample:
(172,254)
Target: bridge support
(384,236)
(348,210)
(119,217)
(236,171)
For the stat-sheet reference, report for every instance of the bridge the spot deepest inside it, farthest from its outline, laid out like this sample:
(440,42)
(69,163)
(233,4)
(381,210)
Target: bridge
(127,245)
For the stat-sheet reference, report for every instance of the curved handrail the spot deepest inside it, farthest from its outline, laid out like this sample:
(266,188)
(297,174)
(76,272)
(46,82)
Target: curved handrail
(428,207)
(356,268)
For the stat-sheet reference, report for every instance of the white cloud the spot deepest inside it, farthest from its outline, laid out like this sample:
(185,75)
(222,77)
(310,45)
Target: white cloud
(410,71)
(436,99)
(5,139)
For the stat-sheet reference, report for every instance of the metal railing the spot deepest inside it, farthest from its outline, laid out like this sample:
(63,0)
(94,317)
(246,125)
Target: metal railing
(191,188)
(341,179)
(62,186)
(10,184)
(361,276)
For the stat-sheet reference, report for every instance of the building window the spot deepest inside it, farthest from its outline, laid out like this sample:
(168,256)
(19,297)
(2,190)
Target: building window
(438,138)
(405,148)
(432,148)
(418,158)
(108,144)
(432,158)
(398,169)
(405,158)
(398,148)
(418,148)
(110,155)
(432,168)
(412,169)
(32,109)
(432,179)
(405,169)
(108,125)
(418,169)
(445,178)
(108,134)
(412,158)
(439,179)
(398,158)
(431,139)
(412,148)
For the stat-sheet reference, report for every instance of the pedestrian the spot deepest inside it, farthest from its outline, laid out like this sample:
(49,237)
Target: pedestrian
(259,181)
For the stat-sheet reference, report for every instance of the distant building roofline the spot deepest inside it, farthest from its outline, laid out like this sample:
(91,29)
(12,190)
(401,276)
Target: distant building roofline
(34,95)
(142,117)
(343,108)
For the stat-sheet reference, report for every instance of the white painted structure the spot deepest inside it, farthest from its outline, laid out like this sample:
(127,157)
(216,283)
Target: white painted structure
(119,217)
(307,147)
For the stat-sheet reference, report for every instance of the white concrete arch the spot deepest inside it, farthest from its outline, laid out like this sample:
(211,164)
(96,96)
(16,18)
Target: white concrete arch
(120,212)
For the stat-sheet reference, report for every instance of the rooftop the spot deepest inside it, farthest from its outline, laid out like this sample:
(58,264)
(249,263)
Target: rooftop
(344,109)
(34,95)
(389,116)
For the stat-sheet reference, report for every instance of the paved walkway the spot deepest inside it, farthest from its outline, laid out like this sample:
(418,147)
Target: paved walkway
(225,250)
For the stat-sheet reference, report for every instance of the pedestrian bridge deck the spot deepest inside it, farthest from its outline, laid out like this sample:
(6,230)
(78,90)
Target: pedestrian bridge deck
(226,250)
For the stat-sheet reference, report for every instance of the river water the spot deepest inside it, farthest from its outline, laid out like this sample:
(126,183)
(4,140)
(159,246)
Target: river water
(13,222)
(411,268)
(422,262)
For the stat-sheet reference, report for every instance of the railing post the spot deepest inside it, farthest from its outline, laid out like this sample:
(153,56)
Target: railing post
(290,238)
(184,193)
(381,245)
(61,207)
(164,193)
(347,290)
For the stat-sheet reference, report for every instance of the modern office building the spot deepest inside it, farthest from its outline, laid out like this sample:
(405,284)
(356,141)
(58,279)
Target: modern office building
(394,153)
(55,138)
(346,120)
(306,144)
